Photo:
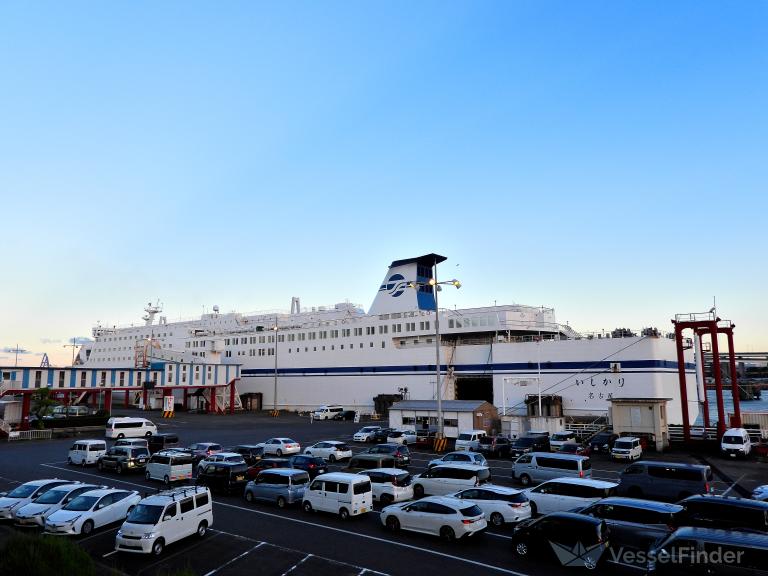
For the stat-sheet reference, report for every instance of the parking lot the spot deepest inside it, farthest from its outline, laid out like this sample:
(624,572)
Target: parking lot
(247,538)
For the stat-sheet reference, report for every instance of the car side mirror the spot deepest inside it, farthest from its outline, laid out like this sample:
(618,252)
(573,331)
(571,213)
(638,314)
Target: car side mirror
(166,518)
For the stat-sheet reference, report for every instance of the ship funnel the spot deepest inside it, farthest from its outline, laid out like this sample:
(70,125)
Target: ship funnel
(395,294)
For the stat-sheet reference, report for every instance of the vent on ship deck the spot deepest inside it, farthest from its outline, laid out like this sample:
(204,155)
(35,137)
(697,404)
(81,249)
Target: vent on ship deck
(474,388)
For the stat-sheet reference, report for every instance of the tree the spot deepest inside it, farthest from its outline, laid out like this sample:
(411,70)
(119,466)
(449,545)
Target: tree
(43,401)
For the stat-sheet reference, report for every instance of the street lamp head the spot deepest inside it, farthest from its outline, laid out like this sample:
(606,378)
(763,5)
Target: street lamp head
(456,283)
(432,282)
(411,284)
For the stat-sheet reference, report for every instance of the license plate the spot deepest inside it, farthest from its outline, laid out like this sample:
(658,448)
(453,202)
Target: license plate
(363,509)
(239,477)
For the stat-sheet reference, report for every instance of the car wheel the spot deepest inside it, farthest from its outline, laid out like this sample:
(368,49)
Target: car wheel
(344,514)
(99,465)
(331,458)
(166,481)
(148,434)
(82,463)
(281,502)
(386,500)
(202,528)
(393,524)
(119,469)
(147,476)
(418,491)
(447,534)
(248,496)
(306,506)
(525,480)
(158,546)
(120,436)
(86,528)
(497,519)
(521,549)
(279,453)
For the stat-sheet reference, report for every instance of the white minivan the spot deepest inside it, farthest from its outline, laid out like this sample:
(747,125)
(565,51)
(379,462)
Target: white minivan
(169,466)
(163,518)
(127,427)
(84,452)
(339,493)
(469,440)
(327,412)
(736,442)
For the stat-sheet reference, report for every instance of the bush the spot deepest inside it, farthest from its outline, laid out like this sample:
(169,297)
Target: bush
(33,555)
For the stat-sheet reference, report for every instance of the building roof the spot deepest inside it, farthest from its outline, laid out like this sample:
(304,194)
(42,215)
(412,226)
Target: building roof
(426,260)
(448,405)
(639,400)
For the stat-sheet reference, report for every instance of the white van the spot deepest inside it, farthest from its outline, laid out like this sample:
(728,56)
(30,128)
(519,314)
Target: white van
(448,478)
(627,448)
(469,440)
(339,493)
(166,517)
(736,442)
(84,452)
(327,412)
(130,427)
(169,466)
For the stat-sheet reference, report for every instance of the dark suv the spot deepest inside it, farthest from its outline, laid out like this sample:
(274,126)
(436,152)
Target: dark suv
(495,446)
(123,459)
(266,464)
(400,453)
(312,465)
(381,435)
(526,444)
(251,453)
(710,511)
(602,442)
(547,536)
(163,441)
(227,477)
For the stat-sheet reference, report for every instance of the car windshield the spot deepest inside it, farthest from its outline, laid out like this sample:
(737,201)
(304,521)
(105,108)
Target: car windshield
(403,479)
(82,503)
(561,436)
(145,514)
(601,438)
(369,430)
(465,436)
(51,497)
(524,442)
(341,447)
(136,452)
(395,434)
(486,440)
(732,440)
(23,491)
(622,444)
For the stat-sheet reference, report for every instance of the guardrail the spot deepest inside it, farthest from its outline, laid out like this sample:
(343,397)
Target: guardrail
(30,435)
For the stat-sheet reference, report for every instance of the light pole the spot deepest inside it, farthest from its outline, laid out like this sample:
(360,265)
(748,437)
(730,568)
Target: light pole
(73,346)
(437,288)
(274,329)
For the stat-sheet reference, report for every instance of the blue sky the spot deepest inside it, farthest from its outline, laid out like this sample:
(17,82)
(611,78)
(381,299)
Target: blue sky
(603,158)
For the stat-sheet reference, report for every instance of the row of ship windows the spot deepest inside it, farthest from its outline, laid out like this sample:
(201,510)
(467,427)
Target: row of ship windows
(271,351)
(118,348)
(319,335)
(136,337)
(38,381)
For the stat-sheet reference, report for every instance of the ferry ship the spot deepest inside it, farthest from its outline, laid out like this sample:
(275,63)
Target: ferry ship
(342,355)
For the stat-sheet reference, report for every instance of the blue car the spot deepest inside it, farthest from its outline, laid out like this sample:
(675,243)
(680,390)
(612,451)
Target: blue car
(282,486)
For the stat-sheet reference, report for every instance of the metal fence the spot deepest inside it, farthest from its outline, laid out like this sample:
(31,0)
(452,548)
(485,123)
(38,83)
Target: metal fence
(30,435)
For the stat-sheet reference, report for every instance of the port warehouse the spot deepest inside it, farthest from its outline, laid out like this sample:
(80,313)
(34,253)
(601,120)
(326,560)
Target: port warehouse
(188,383)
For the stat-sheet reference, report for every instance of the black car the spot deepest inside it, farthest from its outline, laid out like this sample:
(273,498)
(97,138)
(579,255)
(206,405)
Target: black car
(162,441)
(526,444)
(556,536)
(123,459)
(495,446)
(636,524)
(312,465)
(400,453)
(381,435)
(250,452)
(710,511)
(602,442)
(346,415)
(265,464)
(227,477)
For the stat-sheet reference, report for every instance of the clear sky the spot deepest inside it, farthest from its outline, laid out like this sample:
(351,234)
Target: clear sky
(607,159)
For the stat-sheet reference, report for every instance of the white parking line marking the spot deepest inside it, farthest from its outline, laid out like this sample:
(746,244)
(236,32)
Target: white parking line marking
(108,554)
(143,486)
(376,539)
(292,568)
(497,535)
(732,486)
(115,529)
(235,559)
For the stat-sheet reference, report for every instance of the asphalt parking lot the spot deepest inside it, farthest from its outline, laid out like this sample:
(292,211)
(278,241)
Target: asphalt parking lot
(259,538)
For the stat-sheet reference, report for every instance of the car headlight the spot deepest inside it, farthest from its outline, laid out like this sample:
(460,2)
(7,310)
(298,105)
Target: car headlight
(41,512)
(149,535)
(73,520)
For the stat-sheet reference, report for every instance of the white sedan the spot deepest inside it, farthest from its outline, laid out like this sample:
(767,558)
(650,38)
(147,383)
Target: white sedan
(403,437)
(330,450)
(33,515)
(281,446)
(366,433)
(24,494)
(442,516)
(221,457)
(500,504)
(92,510)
